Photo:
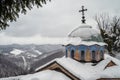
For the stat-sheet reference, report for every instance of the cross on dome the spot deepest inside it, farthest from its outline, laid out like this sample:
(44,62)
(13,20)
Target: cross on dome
(83,17)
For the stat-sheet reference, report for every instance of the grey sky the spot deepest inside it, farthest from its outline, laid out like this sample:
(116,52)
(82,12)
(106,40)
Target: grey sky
(59,17)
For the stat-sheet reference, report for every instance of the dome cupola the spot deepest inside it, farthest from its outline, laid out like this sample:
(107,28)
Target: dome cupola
(84,43)
(86,33)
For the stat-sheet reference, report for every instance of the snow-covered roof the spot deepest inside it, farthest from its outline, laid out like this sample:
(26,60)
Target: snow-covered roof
(78,41)
(86,71)
(46,75)
(43,75)
(86,33)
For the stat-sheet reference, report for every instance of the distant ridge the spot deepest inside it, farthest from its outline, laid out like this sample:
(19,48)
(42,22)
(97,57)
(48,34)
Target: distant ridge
(8,68)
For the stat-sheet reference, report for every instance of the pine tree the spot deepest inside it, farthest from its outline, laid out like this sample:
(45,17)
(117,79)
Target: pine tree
(10,9)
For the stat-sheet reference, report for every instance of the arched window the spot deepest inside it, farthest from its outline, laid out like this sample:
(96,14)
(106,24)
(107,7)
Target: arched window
(82,55)
(102,49)
(72,53)
(66,53)
(101,55)
(93,51)
(93,56)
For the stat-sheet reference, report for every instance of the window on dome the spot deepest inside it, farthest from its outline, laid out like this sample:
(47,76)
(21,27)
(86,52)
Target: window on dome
(93,55)
(72,53)
(66,53)
(82,55)
(102,54)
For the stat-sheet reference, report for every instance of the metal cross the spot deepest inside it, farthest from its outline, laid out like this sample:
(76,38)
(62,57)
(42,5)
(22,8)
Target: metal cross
(83,17)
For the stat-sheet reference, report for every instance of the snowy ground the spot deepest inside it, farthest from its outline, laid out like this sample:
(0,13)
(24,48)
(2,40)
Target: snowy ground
(118,56)
(43,75)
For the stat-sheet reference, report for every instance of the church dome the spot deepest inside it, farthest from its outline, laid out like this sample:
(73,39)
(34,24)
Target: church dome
(86,33)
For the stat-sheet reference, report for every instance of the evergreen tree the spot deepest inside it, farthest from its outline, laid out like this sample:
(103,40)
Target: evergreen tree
(10,9)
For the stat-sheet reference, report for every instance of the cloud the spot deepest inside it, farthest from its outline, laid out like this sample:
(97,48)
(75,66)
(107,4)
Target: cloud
(58,18)
(37,39)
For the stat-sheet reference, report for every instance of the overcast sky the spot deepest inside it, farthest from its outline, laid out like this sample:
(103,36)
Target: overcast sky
(56,19)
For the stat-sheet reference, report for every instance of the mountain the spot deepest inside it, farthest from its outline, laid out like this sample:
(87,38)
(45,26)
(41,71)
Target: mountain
(29,57)
(45,59)
(8,68)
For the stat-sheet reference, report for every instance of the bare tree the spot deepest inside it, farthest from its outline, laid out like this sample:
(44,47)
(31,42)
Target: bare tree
(115,32)
(110,30)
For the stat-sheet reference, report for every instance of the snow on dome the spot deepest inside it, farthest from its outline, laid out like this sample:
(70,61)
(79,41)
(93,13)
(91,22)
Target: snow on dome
(78,41)
(86,33)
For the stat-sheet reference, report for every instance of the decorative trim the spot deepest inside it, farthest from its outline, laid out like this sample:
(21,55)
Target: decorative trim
(47,67)
(111,63)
